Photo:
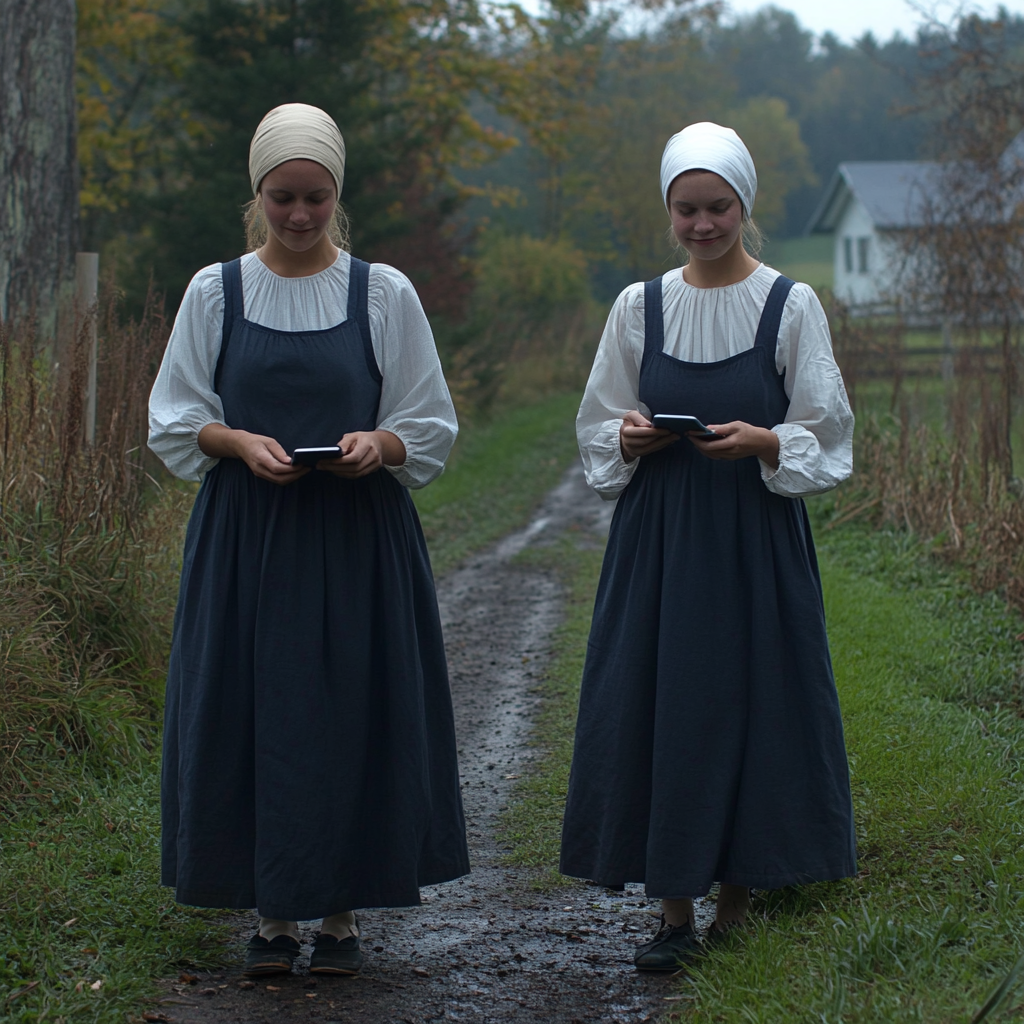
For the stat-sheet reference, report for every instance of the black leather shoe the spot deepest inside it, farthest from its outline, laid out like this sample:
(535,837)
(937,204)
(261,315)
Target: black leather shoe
(670,949)
(335,956)
(275,956)
(719,934)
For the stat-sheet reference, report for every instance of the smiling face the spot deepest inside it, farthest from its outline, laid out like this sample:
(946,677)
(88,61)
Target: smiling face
(707,215)
(299,198)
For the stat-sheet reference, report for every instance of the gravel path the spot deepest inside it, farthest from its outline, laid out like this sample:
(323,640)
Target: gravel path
(483,948)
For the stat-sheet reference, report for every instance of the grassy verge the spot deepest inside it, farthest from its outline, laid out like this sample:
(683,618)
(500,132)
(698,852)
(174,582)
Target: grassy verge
(532,825)
(495,478)
(79,844)
(930,679)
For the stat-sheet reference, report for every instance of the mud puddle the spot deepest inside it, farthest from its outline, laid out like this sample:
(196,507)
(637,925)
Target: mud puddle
(483,948)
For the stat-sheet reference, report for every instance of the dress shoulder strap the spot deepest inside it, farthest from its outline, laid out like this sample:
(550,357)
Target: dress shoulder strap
(771,315)
(359,310)
(654,318)
(231,276)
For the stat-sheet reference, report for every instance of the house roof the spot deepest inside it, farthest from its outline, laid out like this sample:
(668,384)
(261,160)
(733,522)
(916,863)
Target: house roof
(898,193)
(894,193)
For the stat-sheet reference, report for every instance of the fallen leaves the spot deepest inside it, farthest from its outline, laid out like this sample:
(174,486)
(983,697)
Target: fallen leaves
(246,985)
(155,1017)
(421,972)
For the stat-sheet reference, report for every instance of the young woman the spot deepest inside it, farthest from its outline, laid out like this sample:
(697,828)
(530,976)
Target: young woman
(309,748)
(709,746)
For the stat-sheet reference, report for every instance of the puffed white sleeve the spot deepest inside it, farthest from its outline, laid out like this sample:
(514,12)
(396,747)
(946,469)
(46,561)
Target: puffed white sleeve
(183,401)
(612,391)
(816,439)
(415,404)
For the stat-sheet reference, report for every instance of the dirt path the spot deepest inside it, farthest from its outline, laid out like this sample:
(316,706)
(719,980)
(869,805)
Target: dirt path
(483,948)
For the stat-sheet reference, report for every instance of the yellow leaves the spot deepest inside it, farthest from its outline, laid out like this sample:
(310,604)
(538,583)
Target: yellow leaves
(780,156)
(128,57)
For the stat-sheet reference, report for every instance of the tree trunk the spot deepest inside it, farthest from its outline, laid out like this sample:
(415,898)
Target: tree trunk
(38,163)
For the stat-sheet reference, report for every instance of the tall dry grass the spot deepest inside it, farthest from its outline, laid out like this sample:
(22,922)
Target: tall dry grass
(86,552)
(948,482)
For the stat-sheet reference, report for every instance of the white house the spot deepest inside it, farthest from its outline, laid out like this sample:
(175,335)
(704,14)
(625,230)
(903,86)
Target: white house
(865,207)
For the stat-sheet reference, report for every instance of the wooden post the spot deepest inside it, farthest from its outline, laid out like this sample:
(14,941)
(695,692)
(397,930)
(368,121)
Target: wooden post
(947,350)
(87,273)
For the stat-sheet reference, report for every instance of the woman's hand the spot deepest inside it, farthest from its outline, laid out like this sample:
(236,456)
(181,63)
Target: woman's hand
(365,451)
(739,441)
(638,436)
(263,455)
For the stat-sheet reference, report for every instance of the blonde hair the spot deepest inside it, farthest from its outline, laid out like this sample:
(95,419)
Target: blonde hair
(256,226)
(753,237)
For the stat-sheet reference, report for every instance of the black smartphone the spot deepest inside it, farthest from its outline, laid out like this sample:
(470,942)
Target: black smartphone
(311,456)
(683,425)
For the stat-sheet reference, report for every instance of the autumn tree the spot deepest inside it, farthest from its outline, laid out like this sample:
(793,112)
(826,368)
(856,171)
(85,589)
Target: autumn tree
(395,76)
(133,118)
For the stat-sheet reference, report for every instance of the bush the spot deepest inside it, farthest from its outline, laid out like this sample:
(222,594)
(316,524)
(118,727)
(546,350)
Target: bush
(532,327)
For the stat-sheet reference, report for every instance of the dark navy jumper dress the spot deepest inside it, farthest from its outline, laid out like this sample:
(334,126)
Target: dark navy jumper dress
(709,745)
(309,744)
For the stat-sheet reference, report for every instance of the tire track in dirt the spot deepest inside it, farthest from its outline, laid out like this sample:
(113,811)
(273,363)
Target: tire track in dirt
(483,948)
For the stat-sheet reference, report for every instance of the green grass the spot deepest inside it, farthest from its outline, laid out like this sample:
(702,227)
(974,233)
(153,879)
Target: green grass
(930,681)
(80,901)
(497,475)
(79,842)
(532,825)
(807,259)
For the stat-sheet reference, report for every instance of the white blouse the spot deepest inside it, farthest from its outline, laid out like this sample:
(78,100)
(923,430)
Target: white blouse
(415,404)
(703,325)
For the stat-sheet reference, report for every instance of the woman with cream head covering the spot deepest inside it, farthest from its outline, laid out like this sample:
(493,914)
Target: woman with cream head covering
(309,750)
(709,746)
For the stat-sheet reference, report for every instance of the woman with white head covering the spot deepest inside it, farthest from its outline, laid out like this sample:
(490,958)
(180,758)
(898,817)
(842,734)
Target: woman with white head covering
(709,745)
(309,748)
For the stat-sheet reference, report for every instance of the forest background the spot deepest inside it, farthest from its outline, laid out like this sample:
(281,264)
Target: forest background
(507,163)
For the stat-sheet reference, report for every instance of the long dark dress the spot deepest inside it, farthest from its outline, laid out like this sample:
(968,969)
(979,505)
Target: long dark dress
(309,745)
(709,745)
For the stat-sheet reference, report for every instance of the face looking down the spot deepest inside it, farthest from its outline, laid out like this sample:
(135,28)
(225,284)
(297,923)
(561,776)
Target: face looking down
(707,215)
(299,198)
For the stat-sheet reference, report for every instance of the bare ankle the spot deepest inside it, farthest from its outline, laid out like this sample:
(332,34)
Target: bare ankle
(678,912)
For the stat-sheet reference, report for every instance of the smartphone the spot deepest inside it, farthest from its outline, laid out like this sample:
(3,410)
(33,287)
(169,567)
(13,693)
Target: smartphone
(311,456)
(683,425)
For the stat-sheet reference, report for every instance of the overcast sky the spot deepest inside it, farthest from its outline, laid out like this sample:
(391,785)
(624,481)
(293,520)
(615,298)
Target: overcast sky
(850,19)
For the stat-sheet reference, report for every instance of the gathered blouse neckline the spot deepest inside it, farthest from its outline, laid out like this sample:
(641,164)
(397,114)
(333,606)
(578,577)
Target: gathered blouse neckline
(302,277)
(721,287)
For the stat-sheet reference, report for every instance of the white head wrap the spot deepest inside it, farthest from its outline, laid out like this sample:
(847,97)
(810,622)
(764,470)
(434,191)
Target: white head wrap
(296,131)
(707,146)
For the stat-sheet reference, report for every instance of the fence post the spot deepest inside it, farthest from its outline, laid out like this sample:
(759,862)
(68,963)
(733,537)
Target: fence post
(87,273)
(947,350)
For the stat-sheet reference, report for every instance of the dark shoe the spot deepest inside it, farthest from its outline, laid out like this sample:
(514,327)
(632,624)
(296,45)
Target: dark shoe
(670,949)
(335,956)
(719,934)
(275,956)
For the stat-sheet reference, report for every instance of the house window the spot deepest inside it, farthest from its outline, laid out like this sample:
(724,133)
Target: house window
(848,255)
(862,255)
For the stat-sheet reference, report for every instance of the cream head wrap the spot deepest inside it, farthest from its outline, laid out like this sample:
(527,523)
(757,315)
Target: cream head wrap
(707,146)
(296,131)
